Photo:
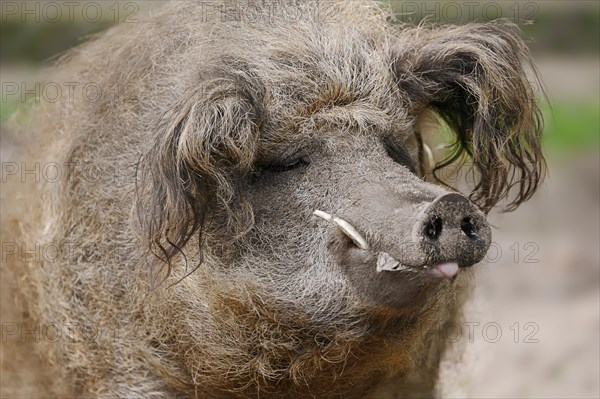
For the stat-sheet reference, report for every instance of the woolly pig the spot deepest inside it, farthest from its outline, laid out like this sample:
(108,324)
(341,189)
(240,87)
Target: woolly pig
(266,215)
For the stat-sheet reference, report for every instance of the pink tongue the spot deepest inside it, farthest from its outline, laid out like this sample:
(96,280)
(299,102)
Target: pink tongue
(446,269)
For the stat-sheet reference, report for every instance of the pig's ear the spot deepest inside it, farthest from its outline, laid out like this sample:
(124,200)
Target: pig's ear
(203,146)
(474,76)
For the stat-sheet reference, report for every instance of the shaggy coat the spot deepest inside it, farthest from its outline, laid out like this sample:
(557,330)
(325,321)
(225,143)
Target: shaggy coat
(188,262)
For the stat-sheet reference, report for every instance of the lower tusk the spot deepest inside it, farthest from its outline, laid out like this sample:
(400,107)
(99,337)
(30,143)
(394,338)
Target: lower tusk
(345,227)
(385,262)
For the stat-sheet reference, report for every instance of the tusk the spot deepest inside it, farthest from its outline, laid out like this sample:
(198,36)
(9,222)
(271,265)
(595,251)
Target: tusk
(385,262)
(345,227)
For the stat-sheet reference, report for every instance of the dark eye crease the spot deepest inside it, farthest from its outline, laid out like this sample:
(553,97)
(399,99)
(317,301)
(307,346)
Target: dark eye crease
(287,166)
(399,153)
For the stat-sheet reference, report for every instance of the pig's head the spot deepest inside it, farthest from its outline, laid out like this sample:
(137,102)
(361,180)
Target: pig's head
(331,122)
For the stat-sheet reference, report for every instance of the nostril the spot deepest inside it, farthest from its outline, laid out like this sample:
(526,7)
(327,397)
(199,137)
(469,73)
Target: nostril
(433,228)
(468,227)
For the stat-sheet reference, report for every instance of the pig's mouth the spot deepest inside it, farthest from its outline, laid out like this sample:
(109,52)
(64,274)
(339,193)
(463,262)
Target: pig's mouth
(386,262)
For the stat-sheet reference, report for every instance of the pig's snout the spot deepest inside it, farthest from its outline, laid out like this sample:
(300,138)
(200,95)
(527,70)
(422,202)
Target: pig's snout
(452,229)
(426,230)
(392,243)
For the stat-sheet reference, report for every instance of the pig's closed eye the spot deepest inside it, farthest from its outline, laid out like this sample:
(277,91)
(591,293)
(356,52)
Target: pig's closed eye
(277,167)
(286,166)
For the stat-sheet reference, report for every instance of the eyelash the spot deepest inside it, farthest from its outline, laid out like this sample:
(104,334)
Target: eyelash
(300,162)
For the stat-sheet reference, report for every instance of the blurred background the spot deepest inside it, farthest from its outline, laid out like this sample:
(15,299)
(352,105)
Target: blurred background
(533,325)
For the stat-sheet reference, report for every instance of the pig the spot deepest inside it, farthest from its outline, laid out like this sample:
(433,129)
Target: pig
(252,204)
